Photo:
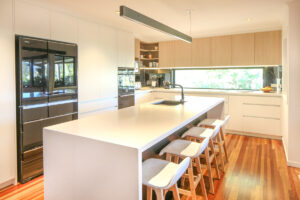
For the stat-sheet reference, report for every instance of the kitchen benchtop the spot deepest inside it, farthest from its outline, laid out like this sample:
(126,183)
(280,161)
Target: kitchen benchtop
(139,126)
(210,91)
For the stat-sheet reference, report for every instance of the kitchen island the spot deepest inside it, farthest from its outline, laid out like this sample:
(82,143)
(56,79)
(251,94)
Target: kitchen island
(100,157)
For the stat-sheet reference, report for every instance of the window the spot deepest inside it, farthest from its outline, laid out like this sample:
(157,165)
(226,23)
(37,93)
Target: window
(231,78)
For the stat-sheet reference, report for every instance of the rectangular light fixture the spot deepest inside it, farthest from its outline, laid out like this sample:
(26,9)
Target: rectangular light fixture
(140,18)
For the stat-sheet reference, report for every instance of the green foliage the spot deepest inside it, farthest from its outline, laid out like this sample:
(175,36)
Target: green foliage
(240,79)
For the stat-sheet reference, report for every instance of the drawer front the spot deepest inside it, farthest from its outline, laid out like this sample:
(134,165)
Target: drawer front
(62,109)
(32,134)
(266,111)
(33,131)
(262,100)
(32,163)
(35,113)
(262,125)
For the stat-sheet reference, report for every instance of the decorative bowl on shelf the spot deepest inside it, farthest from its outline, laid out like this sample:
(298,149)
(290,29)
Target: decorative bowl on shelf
(266,89)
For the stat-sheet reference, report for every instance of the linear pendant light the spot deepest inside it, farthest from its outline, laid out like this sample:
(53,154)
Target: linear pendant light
(140,18)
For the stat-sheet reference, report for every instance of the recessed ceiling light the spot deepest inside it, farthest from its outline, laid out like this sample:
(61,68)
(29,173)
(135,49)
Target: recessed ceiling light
(118,12)
(249,19)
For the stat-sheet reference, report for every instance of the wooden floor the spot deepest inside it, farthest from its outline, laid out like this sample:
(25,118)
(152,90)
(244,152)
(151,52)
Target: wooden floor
(257,169)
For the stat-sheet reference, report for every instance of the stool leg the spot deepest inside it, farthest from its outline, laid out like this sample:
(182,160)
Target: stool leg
(149,193)
(215,161)
(220,152)
(159,194)
(175,192)
(210,175)
(199,170)
(224,143)
(191,180)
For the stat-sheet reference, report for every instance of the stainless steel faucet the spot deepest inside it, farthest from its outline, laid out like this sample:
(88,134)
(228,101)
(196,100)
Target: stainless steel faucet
(182,92)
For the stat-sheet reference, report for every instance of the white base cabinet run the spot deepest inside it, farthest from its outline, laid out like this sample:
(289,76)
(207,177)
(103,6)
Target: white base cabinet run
(260,115)
(249,114)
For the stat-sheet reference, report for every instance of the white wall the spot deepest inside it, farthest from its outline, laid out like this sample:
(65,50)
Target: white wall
(285,80)
(294,84)
(101,49)
(7,95)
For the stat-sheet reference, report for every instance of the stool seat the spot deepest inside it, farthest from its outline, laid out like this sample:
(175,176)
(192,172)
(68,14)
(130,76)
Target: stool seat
(185,148)
(162,174)
(215,122)
(200,132)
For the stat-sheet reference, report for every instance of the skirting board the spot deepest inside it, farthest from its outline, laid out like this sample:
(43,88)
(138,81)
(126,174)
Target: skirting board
(275,137)
(289,163)
(293,164)
(7,183)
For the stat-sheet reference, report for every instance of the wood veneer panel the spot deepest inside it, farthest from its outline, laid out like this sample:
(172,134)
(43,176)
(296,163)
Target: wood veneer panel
(166,54)
(201,52)
(242,50)
(268,47)
(221,50)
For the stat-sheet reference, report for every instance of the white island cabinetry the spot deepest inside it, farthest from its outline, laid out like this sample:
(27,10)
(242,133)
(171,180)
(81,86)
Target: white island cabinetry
(94,156)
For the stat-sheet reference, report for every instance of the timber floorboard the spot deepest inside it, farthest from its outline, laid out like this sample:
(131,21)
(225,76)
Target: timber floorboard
(257,169)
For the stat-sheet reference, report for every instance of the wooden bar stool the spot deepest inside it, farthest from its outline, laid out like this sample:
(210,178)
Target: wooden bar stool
(211,123)
(198,134)
(160,175)
(181,149)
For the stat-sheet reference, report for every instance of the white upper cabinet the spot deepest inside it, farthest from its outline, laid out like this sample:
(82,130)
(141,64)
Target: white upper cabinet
(64,28)
(31,20)
(125,49)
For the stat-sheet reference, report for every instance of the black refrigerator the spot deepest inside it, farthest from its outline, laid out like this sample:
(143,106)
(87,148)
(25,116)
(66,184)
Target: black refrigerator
(46,94)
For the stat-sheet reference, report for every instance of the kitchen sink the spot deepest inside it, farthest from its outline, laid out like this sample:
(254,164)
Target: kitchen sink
(168,103)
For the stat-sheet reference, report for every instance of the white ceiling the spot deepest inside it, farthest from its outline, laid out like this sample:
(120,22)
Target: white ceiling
(209,17)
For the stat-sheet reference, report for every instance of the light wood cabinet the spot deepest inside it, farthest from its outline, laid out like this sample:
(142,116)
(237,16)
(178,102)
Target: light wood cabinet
(201,52)
(221,51)
(137,44)
(232,50)
(242,49)
(166,54)
(183,54)
(268,48)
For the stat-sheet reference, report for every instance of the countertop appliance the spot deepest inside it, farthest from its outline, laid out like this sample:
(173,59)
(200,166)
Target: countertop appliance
(126,85)
(46,94)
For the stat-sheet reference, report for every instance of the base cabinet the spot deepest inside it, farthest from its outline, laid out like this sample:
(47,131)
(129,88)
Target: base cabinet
(249,114)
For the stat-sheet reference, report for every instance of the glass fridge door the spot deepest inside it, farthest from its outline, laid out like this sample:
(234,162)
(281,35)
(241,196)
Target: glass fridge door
(34,69)
(64,71)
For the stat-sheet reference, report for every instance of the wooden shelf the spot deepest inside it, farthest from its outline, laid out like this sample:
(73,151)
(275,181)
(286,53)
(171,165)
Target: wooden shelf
(149,58)
(145,50)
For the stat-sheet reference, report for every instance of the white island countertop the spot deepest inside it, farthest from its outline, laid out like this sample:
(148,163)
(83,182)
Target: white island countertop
(139,126)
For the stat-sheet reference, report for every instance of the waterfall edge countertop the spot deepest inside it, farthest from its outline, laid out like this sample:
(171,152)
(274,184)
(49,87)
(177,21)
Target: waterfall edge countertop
(139,126)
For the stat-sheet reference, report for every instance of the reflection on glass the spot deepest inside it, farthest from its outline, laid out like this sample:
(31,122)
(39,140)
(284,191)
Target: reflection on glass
(64,71)
(34,73)
(26,73)
(38,72)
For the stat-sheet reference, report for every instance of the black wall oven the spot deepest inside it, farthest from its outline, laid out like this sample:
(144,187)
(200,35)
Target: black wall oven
(46,94)
(126,83)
